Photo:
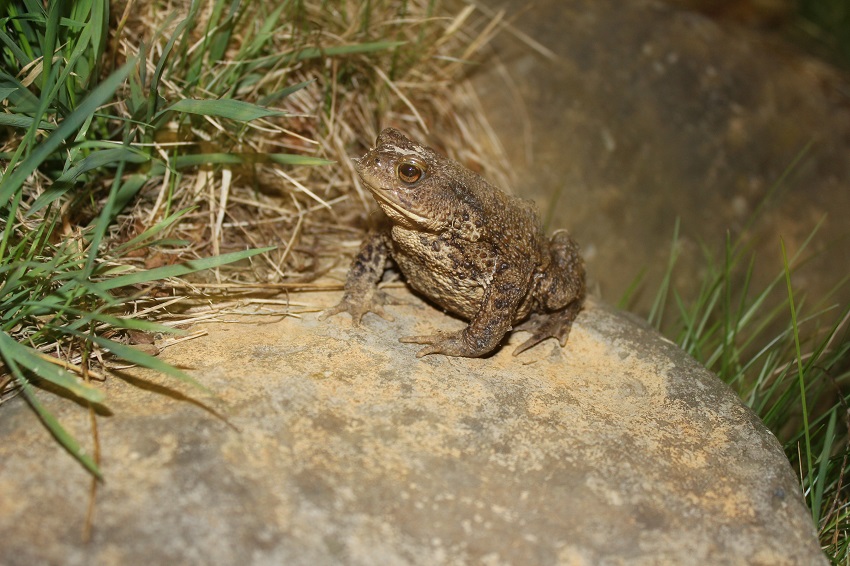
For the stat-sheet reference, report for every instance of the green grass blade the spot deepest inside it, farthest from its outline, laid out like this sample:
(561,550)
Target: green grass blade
(15,353)
(151,232)
(11,182)
(800,375)
(631,290)
(249,49)
(283,93)
(293,159)
(218,44)
(224,108)
(99,22)
(20,56)
(95,160)
(178,269)
(55,427)
(656,313)
(48,44)
(8,229)
(193,61)
(102,158)
(115,322)
(110,208)
(138,357)
(22,101)
(153,86)
(23,122)
(333,51)
(198,159)
(823,464)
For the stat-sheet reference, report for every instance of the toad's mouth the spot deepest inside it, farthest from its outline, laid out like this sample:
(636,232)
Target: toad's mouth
(396,211)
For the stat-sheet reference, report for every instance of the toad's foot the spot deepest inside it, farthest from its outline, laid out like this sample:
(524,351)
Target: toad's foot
(550,325)
(359,304)
(446,343)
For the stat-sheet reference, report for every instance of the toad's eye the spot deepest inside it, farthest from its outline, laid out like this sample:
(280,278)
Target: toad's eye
(410,172)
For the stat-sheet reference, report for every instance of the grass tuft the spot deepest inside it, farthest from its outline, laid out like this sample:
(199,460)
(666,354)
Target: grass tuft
(153,151)
(791,371)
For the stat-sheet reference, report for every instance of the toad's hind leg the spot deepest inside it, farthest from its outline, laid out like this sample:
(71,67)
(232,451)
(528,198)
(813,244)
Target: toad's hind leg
(549,325)
(560,294)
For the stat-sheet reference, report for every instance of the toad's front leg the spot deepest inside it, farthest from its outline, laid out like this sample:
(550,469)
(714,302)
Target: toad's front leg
(486,329)
(361,286)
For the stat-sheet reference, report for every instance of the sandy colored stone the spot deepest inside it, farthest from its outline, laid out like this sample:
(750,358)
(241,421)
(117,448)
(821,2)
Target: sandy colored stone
(341,447)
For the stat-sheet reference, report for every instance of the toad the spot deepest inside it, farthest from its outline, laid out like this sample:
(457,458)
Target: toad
(465,245)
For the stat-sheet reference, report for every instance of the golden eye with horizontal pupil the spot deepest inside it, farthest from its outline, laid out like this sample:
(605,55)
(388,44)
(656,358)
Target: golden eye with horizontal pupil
(410,172)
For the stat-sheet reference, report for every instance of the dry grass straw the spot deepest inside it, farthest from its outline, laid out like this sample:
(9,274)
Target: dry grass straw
(315,215)
(307,211)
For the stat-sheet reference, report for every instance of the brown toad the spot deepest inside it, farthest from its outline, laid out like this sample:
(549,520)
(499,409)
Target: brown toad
(468,247)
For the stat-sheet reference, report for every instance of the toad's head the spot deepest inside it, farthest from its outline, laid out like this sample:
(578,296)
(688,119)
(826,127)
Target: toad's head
(418,188)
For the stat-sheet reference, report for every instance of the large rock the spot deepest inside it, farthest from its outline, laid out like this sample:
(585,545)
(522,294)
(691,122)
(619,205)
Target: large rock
(339,446)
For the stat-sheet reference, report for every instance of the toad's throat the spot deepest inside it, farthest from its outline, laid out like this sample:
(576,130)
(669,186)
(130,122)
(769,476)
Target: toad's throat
(387,201)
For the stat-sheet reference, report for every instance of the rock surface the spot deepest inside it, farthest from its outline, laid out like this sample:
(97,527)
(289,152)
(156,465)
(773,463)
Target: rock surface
(341,447)
(646,113)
